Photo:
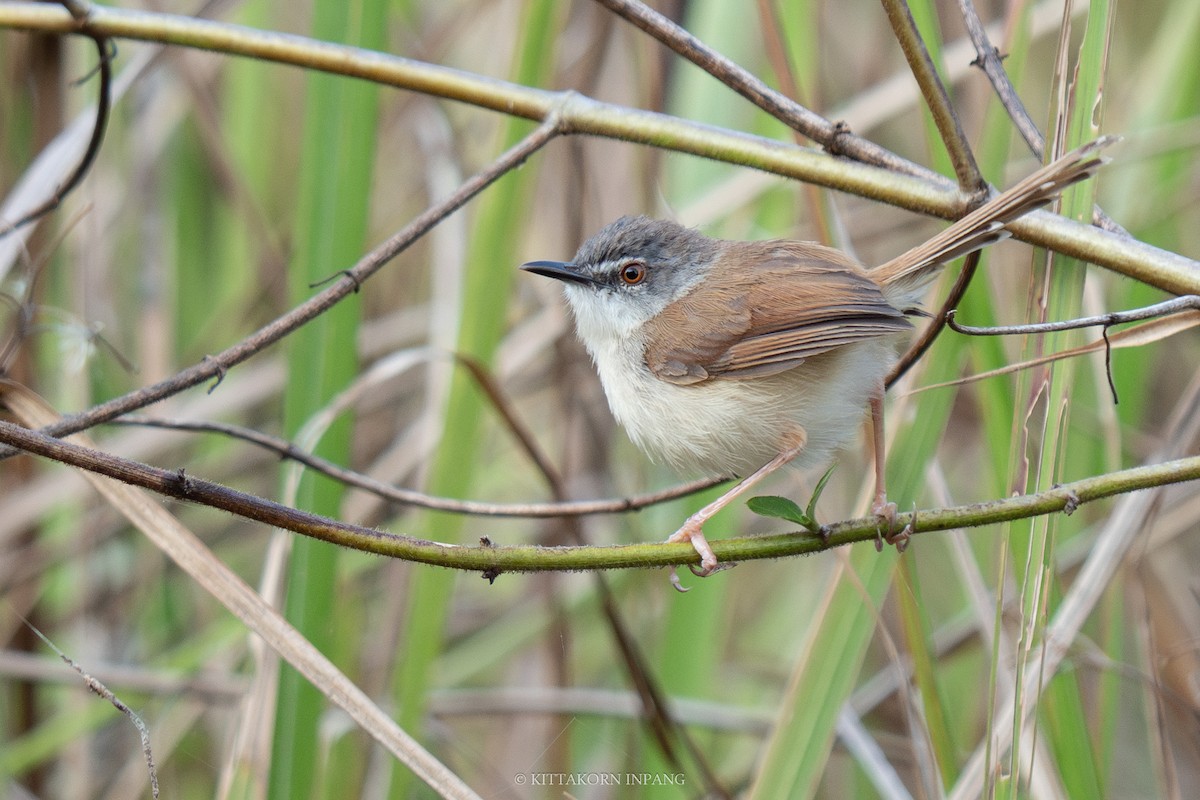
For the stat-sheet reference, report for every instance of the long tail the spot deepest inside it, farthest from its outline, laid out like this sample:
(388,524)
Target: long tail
(905,276)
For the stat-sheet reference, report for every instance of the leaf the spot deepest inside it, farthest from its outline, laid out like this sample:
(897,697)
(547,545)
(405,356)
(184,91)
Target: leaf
(785,509)
(780,508)
(811,511)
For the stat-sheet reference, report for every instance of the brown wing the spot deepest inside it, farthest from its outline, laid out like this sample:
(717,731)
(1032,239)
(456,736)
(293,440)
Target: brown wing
(800,300)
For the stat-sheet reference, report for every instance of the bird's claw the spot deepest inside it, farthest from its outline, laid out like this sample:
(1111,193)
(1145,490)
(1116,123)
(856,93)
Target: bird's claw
(690,532)
(887,513)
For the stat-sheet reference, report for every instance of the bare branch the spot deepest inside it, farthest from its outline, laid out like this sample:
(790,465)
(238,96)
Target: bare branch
(410,497)
(939,321)
(833,136)
(103,107)
(929,194)
(102,691)
(1165,308)
(936,97)
(988,59)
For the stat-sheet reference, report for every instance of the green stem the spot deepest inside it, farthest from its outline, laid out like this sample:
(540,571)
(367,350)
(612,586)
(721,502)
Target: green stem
(527,558)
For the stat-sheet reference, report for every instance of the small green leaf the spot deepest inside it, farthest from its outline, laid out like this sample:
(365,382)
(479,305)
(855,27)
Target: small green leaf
(811,511)
(780,508)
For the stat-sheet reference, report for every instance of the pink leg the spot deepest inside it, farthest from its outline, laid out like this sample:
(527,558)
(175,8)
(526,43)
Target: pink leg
(691,530)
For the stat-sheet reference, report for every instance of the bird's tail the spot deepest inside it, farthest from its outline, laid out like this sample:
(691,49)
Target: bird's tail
(904,277)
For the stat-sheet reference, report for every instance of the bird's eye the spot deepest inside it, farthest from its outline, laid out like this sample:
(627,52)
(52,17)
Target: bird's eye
(633,273)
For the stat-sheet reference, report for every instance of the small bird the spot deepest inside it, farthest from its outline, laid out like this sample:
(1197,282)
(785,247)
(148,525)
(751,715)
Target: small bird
(737,358)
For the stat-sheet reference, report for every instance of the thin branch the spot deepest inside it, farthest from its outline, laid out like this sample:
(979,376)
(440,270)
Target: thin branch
(103,692)
(833,136)
(410,497)
(519,430)
(1163,309)
(581,115)
(936,97)
(939,321)
(216,366)
(988,59)
(659,720)
(493,560)
(186,550)
(103,106)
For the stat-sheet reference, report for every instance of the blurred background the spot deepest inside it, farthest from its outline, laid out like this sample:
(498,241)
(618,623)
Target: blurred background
(225,187)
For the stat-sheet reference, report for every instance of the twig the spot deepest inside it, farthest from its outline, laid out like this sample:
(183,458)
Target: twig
(988,59)
(410,497)
(80,11)
(491,558)
(186,550)
(934,91)
(105,693)
(939,321)
(519,430)
(663,727)
(215,366)
(833,136)
(1163,309)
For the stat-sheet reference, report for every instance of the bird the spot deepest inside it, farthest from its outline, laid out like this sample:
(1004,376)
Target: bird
(738,357)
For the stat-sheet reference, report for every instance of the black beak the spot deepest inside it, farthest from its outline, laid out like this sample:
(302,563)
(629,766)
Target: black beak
(559,270)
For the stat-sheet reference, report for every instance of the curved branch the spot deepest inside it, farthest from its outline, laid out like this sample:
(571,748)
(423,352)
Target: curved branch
(1163,309)
(578,114)
(103,107)
(944,314)
(410,497)
(493,560)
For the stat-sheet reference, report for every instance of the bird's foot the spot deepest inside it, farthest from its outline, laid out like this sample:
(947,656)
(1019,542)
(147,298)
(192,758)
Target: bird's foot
(887,513)
(691,532)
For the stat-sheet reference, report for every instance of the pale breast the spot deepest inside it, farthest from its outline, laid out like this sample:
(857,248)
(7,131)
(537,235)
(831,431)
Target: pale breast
(732,427)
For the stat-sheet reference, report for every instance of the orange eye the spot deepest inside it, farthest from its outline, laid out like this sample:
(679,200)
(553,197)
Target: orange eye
(633,273)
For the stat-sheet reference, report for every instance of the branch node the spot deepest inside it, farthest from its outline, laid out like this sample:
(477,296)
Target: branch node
(558,115)
(345,273)
(836,145)
(182,483)
(1072,501)
(220,374)
(81,10)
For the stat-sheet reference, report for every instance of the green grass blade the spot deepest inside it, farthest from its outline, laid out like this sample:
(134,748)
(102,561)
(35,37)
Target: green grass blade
(335,184)
(491,268)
